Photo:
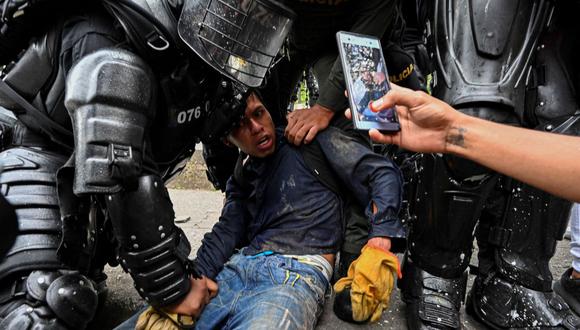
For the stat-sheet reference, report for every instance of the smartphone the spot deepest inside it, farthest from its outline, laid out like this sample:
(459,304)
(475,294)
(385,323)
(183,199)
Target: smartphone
(366,79)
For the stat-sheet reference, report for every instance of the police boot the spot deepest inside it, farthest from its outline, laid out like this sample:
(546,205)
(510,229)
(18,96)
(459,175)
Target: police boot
(514,286)
(346,258)
(569,289)
(432,302)
(501,304)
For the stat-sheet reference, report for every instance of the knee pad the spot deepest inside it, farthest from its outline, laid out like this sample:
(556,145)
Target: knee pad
(53,300)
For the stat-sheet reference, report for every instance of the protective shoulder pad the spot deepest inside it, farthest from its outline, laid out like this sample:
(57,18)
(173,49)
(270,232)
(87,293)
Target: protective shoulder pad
(113,77)
(110,96)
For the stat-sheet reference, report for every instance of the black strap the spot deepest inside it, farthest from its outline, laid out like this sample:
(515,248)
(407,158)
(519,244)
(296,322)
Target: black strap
(15,290)
(151,39)
(36,120)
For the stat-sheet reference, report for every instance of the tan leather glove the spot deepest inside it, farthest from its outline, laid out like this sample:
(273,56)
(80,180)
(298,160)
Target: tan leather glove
(371,279)
(151,319)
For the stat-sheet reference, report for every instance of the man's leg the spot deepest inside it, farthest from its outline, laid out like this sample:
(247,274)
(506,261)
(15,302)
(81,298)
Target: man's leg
(568,287)
(216,312)
(278,293)
(231,280)
(575,241)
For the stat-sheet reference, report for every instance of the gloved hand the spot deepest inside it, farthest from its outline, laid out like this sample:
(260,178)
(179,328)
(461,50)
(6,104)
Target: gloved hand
(370,280)
(151,319)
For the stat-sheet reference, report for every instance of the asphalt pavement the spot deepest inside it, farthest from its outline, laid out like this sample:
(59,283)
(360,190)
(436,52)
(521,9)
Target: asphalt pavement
(200,209)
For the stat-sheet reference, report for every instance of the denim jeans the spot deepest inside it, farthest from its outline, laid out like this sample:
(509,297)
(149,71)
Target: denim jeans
(575,236)
(265,292)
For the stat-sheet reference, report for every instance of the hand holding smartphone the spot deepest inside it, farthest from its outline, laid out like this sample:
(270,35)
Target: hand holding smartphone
(366,80)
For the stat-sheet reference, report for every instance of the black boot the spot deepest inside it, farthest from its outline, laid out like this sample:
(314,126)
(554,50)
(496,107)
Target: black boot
(346,258)
(432,302)
(342,306)
(499,303)
(569,290)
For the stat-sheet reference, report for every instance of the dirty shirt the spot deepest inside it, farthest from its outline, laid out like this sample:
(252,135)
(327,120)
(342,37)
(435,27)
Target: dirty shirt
(284,208)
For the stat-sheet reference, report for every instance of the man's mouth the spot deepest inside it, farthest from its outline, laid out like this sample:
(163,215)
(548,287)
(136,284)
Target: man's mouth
(264,143)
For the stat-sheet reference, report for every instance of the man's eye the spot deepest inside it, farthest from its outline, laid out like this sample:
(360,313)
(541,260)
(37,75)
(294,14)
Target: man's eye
(258,113)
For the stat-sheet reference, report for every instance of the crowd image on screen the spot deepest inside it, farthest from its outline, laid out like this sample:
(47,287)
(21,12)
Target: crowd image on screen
(368,81)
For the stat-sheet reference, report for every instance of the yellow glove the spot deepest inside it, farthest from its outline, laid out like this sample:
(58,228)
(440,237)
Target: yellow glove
(370,278)
(151,319)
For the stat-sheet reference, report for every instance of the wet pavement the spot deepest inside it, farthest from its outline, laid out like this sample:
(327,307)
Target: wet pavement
(203,209)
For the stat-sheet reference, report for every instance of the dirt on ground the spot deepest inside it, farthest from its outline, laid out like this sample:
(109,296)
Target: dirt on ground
(193,176)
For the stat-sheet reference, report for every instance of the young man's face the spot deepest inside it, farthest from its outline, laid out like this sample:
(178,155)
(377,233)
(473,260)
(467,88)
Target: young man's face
(256,135)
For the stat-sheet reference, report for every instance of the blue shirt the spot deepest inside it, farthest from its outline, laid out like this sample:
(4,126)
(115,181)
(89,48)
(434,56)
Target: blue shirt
(286,209)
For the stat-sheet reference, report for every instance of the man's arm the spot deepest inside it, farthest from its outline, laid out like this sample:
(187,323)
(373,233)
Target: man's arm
(218,245)
(547,161)
(373,179)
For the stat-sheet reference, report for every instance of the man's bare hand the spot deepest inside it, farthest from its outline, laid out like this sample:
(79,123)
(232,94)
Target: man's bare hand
(202,290)
(381,243)
(303,125)
(427,124)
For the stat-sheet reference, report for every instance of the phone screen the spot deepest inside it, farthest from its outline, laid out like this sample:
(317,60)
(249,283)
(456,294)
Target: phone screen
(366,80)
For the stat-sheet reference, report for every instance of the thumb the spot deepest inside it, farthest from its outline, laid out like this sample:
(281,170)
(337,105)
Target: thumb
(348,114)
(397,96)
(377,136)
(212,287)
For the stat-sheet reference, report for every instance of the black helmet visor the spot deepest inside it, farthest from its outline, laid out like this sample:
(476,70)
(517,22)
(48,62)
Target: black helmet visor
(239,38)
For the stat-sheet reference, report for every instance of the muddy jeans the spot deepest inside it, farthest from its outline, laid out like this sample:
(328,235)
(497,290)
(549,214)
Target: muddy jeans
(265,292)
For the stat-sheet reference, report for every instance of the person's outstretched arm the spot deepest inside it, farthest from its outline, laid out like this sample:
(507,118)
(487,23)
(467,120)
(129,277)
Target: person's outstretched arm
(548,161)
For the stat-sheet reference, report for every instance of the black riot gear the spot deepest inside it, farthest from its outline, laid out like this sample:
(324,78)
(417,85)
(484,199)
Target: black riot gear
(513,63)
(113,82)
(240,39)
(10,226)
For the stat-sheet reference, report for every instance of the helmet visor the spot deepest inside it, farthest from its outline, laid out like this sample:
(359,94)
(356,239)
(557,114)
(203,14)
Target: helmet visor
(239,38)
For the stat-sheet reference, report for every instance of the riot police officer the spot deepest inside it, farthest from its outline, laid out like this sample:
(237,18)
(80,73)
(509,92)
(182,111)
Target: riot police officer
(111,97)
(513,63)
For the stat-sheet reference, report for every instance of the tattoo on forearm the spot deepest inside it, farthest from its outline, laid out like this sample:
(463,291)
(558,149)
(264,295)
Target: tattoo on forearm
(456,136)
